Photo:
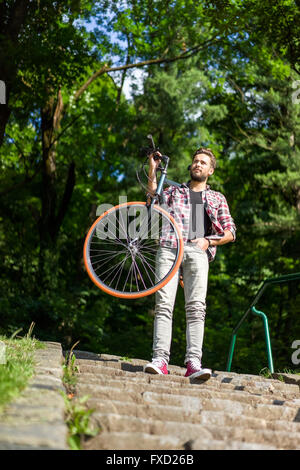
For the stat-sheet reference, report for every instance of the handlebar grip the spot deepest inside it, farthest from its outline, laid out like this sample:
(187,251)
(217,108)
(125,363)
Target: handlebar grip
(149,136)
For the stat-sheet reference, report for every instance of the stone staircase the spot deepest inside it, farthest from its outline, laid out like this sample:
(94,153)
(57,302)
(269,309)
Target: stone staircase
(138,411)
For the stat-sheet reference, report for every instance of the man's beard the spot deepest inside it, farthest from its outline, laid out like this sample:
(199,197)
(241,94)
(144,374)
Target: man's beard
(198,177)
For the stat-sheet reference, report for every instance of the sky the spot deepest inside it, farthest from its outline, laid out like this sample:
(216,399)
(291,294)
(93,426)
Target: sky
(134,77)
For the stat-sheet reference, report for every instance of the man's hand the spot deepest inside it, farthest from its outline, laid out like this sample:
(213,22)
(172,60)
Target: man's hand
(154,163)
(202,243)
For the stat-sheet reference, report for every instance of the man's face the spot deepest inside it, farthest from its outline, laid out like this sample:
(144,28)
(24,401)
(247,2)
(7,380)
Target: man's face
(201,167)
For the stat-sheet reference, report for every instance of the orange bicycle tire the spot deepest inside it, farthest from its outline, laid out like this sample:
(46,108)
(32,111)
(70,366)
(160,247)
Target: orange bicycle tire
(141,293)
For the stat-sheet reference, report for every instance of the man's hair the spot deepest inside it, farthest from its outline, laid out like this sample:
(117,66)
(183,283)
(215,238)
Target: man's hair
(209,152)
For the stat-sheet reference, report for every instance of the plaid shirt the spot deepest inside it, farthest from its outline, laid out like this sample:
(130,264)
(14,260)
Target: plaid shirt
(177,203)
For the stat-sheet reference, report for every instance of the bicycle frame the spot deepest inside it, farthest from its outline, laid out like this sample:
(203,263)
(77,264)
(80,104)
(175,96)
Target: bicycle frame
(162,180)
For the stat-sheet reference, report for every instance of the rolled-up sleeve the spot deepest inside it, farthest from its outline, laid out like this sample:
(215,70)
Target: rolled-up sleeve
(225,218)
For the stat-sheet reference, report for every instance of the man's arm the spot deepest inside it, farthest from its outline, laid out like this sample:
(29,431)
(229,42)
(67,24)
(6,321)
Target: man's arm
(203,243)
(225,219)
(228,225)
(152,182)
(228,237)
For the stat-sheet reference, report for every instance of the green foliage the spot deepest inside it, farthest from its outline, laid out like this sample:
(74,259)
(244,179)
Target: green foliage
(78,421)
(16,365)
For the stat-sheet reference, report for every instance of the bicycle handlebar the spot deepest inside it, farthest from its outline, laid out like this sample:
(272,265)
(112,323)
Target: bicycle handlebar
(148,151)
(149,136)
(151,149)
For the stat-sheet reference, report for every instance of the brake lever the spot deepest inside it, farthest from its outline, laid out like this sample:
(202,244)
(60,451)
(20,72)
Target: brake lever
(149,136)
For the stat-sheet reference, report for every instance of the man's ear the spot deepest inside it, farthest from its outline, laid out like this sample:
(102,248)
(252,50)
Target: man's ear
(211,171)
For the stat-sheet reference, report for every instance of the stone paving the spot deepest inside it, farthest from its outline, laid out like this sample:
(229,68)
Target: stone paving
(230,411)
(138,411)
(36,419)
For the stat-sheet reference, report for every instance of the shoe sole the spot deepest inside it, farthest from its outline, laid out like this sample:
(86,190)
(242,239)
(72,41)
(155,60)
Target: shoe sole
(200,375)
(151,369)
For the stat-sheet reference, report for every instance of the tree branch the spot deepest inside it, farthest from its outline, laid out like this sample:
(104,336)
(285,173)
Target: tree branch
(106,69)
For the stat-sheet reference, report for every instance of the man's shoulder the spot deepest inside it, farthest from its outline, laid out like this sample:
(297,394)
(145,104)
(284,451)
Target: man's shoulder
(172,188)
(211,193)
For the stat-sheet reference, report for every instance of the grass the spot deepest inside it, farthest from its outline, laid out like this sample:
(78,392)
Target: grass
(77,414)
(265,372)
(16,364)
(78,421)
(70,371)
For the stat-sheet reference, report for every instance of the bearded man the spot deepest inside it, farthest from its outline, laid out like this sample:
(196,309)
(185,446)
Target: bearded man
(204,219)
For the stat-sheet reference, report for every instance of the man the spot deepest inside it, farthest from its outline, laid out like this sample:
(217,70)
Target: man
(205,222)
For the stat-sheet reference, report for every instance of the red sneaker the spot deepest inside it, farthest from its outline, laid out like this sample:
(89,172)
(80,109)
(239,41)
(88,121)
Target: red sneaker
(195,371)
(157,366)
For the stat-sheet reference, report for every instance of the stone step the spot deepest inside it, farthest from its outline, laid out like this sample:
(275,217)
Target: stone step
(130,395)
(33,436)
(253,384)
(97,375)
(35,419)
(143,411)
(196,404)
(264,416)
(181,382)
(132,441)
(213,444)
(143,441)
(258,410)
(223,418)
(112,422)
(247,379)
(149,384)
(136,365)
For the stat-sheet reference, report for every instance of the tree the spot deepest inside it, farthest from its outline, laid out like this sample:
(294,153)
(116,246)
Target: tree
(211,77)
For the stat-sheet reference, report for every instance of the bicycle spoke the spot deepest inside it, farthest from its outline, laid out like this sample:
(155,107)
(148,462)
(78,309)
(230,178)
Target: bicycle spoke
(136,280)
(115,238)
(123,252)
(111,269)
(119,270)
(148,264)
(129,272)
(107,259)
(147,272)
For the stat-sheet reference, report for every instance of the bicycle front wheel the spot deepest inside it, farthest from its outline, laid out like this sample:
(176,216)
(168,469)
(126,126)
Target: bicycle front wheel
(121,249)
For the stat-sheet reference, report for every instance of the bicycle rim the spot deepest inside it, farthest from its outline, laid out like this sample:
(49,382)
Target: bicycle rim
(122,248)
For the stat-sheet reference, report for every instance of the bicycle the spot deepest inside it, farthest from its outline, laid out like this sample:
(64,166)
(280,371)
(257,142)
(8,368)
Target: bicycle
(122,246)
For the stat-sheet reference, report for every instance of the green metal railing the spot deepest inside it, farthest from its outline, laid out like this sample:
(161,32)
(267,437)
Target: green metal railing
(251,308)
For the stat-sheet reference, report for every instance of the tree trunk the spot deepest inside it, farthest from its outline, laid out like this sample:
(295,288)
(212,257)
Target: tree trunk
(12,20)
(52,214)
(49,196)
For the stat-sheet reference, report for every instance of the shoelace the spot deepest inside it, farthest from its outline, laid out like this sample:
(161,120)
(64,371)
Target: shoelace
(195,364)
(158,362)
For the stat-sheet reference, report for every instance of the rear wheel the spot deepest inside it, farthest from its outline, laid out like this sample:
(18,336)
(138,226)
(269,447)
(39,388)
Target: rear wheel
(121,249)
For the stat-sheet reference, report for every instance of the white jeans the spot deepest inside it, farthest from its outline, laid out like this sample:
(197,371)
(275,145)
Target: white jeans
(195,275)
